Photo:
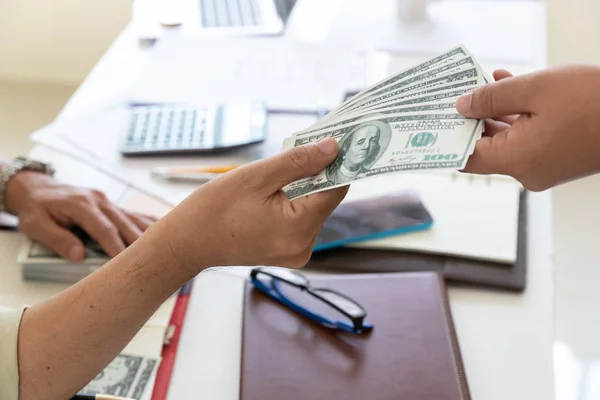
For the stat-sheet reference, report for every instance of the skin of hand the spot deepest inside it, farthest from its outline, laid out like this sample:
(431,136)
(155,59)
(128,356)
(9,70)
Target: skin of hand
(47,209)
(242,218)
(542,128)
(248,214)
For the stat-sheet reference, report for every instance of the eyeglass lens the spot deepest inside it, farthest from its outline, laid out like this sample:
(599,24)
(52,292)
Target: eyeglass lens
(310,302)
(285,274)
(342,302)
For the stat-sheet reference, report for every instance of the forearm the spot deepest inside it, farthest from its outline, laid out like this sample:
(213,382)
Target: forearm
(65,341)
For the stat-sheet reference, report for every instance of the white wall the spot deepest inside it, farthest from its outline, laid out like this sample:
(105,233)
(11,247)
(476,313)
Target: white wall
(57,41)
(573,31)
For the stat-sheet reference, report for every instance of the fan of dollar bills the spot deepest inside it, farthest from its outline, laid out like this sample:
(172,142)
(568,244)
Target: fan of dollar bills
(407,121)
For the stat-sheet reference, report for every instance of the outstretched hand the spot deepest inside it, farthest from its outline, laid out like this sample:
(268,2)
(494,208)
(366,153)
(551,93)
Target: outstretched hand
(244,217)
(542,128)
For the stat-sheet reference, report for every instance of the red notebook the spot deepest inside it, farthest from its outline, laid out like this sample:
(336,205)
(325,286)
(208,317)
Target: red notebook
(169,353)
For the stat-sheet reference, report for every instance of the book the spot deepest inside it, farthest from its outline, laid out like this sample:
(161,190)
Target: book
(455,268)
(411,353)
(476,217)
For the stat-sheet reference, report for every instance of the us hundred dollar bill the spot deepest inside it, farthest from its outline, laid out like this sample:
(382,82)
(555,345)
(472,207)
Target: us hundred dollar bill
(126,376)
(435,63)
(434,101)
(408,83)
(414,87)
(381,145)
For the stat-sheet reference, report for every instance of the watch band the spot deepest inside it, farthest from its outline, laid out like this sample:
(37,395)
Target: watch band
(17,165)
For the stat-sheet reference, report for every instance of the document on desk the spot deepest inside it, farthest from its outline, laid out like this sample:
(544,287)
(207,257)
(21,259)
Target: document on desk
(405,122)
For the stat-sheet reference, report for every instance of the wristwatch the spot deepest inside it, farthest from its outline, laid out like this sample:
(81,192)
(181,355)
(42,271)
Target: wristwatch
(17,165)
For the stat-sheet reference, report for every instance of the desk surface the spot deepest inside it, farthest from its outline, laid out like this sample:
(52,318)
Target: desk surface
(506,339)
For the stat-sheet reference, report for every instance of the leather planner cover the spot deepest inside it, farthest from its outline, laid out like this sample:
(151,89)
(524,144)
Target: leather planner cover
(411,354)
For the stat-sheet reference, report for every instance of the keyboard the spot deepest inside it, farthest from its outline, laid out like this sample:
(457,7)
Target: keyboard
(230,13)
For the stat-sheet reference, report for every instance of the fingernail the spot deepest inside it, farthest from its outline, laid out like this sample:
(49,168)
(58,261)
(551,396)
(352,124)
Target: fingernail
(75,253)
(463,104)
(328,146)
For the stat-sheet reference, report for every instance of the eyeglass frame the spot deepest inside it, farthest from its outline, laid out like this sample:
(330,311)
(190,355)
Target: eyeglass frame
(359,325)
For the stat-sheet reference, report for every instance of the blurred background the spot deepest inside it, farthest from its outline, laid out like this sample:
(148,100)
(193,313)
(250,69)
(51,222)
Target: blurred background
(47,49)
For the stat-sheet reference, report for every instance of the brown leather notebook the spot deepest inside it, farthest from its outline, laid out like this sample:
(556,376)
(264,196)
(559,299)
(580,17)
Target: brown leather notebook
(411,354)
(456,270)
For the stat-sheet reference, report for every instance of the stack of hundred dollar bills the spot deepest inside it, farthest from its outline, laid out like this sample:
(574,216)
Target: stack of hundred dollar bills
(407,121)
(41,264)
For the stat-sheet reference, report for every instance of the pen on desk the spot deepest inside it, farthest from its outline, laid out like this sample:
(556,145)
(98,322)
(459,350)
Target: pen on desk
(191,174)
(97,397)
(193,170)
(199,177)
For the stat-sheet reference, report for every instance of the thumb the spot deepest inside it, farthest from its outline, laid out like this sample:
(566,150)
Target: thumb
(56,238)
(296,163)
(511,95)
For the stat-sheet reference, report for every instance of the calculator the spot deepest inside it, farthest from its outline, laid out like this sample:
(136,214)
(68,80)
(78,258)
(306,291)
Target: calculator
(165,129)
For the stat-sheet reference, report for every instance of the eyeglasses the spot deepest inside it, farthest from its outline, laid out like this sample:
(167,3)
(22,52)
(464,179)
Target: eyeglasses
(293,290)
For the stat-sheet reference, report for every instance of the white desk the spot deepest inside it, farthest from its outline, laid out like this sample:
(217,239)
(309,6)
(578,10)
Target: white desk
(506,339)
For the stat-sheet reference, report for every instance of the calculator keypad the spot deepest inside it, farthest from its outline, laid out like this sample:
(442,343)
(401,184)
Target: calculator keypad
(158,129)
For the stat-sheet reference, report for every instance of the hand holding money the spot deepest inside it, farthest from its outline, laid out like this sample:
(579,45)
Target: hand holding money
(542,128)
(406,122)
(243,217)
(47,209)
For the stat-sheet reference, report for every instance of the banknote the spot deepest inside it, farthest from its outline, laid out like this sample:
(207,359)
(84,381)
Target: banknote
(448,56)
(461,86)
(390,144)
(433,101)
(434,87)
(416,87)
(40,263)
(407,121)
(35,252)
(128,376)
(448,69)
(435,113)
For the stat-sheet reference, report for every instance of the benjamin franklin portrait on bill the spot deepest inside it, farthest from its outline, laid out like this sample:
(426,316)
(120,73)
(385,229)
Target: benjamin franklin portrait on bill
(359,150)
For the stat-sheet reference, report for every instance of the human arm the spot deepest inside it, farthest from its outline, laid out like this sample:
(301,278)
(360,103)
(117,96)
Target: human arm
(242,218)
(543,128)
